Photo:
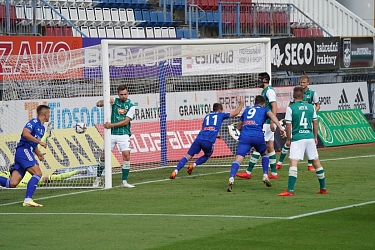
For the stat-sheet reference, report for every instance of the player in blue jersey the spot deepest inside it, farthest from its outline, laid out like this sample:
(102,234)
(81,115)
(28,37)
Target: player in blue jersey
(269,128)
(251,127)
(206,138)
(24,159)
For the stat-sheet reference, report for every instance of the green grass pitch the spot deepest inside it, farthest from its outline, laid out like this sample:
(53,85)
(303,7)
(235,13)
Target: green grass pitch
(196,212)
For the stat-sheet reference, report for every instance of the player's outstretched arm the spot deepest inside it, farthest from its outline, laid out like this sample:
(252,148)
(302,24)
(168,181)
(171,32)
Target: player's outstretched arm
(276,121)
(100,103)
(238,109)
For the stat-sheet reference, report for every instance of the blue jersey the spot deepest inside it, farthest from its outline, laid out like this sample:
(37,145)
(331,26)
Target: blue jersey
(36,129)
(253,119)
(211,126)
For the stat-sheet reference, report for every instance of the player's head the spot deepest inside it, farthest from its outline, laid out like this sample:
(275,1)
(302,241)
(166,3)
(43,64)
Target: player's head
(263,78)
(43,112)
(298,93)
(122,92)
(217,107)
(304,82)
(260,100)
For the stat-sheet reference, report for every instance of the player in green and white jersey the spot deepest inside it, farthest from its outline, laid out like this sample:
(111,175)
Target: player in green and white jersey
(121,115)
(309,96)
(302,136)
(269,128)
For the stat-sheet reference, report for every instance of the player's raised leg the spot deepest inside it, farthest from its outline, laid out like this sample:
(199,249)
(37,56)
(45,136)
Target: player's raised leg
(180,165)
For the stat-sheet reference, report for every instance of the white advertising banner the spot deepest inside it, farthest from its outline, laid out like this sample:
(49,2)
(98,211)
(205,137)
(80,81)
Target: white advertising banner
(233,60)
(341,96)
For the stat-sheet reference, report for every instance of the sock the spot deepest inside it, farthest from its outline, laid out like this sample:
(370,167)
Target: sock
(201,160)
(31,186)
(292,178)
(4,182)
(125,170)
(234,168)
(265,162)
(320,174)
(309,163)
(101,166)
(253,160)
(284,152)
(59,177)
(272,156)
(181,163)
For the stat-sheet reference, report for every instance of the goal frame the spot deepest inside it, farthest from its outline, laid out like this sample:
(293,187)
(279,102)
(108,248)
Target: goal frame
(106,77)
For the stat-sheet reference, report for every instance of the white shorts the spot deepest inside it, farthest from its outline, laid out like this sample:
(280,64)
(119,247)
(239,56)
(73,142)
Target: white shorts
(268,134)
(122,141)
(299,148)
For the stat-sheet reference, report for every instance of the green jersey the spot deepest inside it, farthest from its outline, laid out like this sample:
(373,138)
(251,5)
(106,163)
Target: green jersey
(301,116)
(270,95)
(121,110)
(309,96)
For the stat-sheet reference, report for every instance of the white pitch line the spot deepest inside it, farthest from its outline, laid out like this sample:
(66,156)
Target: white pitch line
(331,210)
(162,215)
(208,215)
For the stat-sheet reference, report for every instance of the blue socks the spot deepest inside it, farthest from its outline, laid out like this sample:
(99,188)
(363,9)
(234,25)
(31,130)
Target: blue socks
(4,182)
(234,168)
(265,163)
(181,163)
(31,186)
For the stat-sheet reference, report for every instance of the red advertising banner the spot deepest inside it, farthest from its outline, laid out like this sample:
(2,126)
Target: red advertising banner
(30,58)
(146,141)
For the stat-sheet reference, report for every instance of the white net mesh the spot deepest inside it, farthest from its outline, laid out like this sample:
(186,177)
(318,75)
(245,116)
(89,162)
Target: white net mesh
(172,86)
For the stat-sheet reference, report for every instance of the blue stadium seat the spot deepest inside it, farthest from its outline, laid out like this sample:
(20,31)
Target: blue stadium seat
(139,17)
(179,32)
(154,18)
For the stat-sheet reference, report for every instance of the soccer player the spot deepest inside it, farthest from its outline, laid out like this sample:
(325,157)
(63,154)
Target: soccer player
(251,127)
(206,138)
(45,179)
(302,135)
(309,96)
(24,159)
(268,128)
(122,114)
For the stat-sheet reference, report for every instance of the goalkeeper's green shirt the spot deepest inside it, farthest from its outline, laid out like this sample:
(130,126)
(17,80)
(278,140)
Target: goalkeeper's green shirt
(121,110)
(301,115)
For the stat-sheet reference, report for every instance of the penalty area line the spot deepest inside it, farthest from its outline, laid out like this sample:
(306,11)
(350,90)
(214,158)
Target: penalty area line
(331,210)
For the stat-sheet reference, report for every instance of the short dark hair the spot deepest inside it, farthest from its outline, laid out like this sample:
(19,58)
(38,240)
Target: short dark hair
(216,107)
(121,88)
(298,92)
(41,109)
(259,99)
(264,75)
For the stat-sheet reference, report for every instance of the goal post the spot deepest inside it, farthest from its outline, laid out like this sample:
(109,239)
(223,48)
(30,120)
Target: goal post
(172,83)
(208,47)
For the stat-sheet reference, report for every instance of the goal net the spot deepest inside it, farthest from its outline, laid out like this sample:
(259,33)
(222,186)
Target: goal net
(172,83)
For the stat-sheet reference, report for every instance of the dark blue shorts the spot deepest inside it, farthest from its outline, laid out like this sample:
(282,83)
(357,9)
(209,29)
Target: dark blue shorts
(23,159)
(206,146)
(246,143)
